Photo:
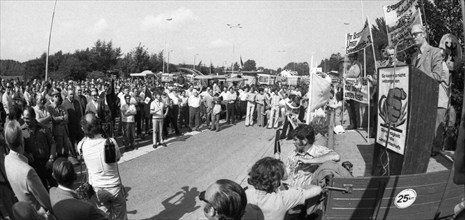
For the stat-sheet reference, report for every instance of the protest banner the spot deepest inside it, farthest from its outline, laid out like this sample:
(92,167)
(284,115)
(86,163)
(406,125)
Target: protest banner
(400,17)
(358,40)
(355,90)
(393,107)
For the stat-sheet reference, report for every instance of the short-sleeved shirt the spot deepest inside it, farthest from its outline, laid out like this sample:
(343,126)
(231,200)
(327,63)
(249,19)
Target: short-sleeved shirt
(157,107)
(260,99)
(101,174)
(263,205)
(301,175)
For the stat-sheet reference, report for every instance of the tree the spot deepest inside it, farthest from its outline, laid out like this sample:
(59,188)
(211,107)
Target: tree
(302,69)
(249,65)
(104,56)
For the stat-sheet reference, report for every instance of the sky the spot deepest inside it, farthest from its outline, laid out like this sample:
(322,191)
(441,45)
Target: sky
(273,33)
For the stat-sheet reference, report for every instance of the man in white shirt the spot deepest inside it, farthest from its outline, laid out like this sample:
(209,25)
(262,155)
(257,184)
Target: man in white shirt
(194,102)
(7,100)
(274,112)
(128,111)
(231,97)
(243,101)
(174,111)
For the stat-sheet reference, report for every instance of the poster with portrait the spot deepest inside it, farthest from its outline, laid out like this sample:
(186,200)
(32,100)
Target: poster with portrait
(393,90)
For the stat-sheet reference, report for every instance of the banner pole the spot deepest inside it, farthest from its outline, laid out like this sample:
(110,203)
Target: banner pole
(376,72)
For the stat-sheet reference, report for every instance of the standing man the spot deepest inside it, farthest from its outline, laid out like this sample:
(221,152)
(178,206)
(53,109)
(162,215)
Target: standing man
(128,112)
(231,97)
(39,147)
(194,110)
(7,100)
(274,111)
(429,60)
(354,72)
(72,106)
(157,112)
(174,114)
(250,107)
(243,101)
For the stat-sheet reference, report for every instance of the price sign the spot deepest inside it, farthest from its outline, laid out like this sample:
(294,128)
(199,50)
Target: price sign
(405,198)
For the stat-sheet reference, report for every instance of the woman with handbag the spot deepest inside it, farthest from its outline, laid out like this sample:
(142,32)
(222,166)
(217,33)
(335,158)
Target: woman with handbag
(101,156)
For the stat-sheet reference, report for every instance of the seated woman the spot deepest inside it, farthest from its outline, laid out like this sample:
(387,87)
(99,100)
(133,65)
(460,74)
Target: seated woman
(268,198)
(303,162)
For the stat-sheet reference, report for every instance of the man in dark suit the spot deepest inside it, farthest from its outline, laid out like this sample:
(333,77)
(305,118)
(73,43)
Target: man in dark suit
(63,198)
(429,60)
(81,98)
(74,109)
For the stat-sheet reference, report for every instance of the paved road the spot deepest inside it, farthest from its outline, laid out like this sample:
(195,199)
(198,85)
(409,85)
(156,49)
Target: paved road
(165,183)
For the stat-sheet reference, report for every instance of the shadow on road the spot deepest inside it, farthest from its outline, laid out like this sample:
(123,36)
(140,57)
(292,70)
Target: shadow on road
(179,204)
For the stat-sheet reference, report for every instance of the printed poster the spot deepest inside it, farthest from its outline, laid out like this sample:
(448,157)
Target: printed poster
(400,17)
(393,107)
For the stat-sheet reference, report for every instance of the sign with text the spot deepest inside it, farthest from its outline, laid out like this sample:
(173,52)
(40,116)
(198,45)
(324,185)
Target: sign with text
(355,90)
(393,88)
(358,40)
(400,17)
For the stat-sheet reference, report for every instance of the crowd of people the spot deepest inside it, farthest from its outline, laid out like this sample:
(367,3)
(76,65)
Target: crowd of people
(50,125)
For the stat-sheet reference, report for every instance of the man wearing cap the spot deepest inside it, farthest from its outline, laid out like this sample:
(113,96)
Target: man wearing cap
(429,60)
(194,102)
(128,112)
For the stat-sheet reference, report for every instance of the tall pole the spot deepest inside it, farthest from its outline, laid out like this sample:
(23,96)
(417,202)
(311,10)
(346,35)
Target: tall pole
(168,64)
(49,40)
(193,65)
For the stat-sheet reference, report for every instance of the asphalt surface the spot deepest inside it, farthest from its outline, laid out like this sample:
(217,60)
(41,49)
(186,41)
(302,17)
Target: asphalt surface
(165,183)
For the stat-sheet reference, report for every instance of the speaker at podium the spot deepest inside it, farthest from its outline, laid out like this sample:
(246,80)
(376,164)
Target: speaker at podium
(407,109)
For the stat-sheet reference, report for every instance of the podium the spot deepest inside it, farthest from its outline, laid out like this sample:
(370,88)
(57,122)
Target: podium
(407,108)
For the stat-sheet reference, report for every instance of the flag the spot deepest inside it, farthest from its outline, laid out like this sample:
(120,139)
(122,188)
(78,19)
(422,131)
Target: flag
(358,40)
(319,91)
(242,64)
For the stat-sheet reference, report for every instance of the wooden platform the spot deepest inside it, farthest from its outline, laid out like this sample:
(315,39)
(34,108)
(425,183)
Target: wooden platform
(354,147)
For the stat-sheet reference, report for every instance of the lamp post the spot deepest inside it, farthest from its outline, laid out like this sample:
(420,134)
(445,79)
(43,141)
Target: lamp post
(168,66)
(164,49)
(193,65)
(231,26)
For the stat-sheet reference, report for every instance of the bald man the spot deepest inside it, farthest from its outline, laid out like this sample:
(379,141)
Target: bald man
(224,199)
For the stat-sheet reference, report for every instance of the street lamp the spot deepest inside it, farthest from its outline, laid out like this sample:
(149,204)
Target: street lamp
(168,67)
(231,26)
(164,49)
(193,65)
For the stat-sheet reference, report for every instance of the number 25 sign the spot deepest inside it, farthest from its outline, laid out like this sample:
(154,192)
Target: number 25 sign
(405,198)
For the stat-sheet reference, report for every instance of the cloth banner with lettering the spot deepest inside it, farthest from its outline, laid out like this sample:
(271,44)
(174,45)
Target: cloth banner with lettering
(358,40)
(400,17)
(355,89)
(393,88)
